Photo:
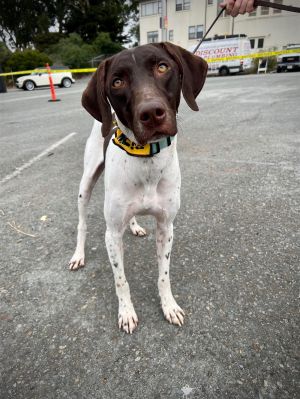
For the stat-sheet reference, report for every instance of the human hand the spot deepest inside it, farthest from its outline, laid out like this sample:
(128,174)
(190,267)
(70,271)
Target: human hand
(235,7)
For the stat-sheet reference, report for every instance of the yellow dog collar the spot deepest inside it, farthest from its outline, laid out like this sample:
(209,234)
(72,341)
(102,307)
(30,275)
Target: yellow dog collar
(136,150)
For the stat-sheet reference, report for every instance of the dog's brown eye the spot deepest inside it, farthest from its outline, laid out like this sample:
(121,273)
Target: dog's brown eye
(117,83)
(162,67)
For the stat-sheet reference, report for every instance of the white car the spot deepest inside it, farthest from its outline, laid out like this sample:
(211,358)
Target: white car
(40,78)
(291,61)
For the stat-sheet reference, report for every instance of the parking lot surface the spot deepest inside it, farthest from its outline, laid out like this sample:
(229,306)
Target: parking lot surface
(234,264)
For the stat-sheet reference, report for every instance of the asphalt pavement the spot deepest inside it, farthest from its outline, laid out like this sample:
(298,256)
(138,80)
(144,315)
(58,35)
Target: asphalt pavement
(234,264)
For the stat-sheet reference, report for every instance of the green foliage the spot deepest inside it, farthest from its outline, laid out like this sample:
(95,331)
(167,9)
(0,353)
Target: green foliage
(272,64)
(74,53)
(43,41)
(70,51)
(104,45)
(26,60)
(4,53)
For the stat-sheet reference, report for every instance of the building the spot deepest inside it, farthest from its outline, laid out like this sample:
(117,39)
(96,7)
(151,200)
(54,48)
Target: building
(187,20)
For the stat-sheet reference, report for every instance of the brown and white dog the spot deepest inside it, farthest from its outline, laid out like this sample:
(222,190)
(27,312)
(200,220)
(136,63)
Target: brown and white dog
(143,87)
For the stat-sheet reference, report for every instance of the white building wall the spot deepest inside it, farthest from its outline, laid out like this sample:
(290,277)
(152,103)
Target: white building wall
(179,21)
(277,29)
(149,24)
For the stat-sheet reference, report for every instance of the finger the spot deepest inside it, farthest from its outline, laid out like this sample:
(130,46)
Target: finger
(236,8)
(250,6)
(243,7)
(228,4)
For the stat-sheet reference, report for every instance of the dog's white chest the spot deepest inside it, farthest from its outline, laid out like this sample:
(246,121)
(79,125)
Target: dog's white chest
(147,181)
(149,199)
(142,186)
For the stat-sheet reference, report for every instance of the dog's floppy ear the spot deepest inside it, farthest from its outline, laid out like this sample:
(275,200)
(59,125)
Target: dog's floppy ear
(94,99)
(193,71)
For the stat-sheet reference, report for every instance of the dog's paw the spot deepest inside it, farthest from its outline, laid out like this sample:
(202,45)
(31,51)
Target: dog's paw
(128,320)
(76,262)
(173,312)
(136,229)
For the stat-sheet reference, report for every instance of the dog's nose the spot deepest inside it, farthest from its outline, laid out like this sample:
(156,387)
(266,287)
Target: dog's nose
(152,113)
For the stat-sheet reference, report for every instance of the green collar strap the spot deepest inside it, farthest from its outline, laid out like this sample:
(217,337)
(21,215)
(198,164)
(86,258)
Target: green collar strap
(136,150)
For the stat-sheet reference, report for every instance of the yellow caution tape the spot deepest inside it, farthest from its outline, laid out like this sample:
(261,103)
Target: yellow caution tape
(231,58)
(81,70)
(265,54)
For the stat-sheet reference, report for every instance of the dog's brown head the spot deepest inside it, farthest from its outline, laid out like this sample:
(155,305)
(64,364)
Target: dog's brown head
(143,85)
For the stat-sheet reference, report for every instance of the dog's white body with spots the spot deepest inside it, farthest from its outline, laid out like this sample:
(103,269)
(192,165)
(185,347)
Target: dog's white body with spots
(133,186)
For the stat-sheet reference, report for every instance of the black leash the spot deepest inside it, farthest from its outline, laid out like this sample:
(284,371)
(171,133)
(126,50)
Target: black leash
(276,5)
(214,21)
(256,3)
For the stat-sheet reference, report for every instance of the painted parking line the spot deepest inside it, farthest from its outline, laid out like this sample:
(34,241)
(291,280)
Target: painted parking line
(33,160)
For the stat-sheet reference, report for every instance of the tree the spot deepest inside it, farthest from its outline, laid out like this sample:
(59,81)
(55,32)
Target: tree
(104,45)
(4,53)
(74,53)
(43,41)
(59,9)
(22,20)
(26,23)
(88,18)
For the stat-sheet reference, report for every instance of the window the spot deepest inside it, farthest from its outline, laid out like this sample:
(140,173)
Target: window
(257,42)
(264,11)
(275,11)
(260,43)
(178,5)
(183,5)
(186,4)
(192,32)
(195,32)
(151,8)
(152,37)
(199,31)
(210,2)
(171,35)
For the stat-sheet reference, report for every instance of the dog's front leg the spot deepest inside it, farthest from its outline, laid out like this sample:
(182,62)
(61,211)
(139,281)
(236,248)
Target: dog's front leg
(87,184)
(164,240)
(127,317)
(93,167)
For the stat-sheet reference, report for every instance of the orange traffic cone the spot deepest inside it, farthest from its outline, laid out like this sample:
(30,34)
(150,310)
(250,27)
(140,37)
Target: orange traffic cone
(52,90)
